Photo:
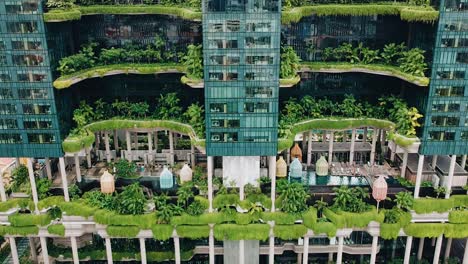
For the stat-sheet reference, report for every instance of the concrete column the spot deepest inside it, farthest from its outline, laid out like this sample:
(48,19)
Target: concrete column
(150,142)
(419,176)
(77,167)
(437,249)
(288,156)
(45,253)
(304,139)
(211,245)
(2,186)
(74,246)
(177,249)
(448,247)
(409,242)
(383,138)
(116,140)
(106,142)
(128,140)
(97,135)
(420,248)
(63,174)
(88,158)
(210,170)
(373,256)
(465,256)
(305,251)
(392,154)
(271,247)
(339,254)
(135,140)
(434,162)
(374,143)
(404,163)
(171,147)
(463,162)
(14,250)
(330,257)
(309,149)
(33,249)
(17,162)
(192,156)
(32,180)
(364,136)
(330,148)
(109,251)
(272,174)
(48,168)
(155,141)
(143,251)
(453,160)
(351,150)
(324,136)
(241,252)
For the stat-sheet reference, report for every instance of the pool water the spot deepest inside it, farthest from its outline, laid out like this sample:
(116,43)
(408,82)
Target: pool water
(331,180)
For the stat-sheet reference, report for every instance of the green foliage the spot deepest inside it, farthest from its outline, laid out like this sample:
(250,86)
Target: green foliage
(193,61)
(74,192)
(204,219)
(12,203)
(168,107)
(125,169)
(58,229)
(456,230)
(196,118)
(62,4)
(412,61)
(196,208)
(162,232)
(429,205)
(43,185)
(280,218)
(404,200)
(351,199)
(289,63)
(389,231)
(100,200)
(241,232)
(289,232)
(82,60)
(131,200)
(78,208)
(48,202)
(19,220)
(458,217)
(294,198)
(20,176)
(224,200)
(320,205)
(184,194)
(193,231)
(324,228)
(167,212)
(424,229)
(309,218)
(122,231)
(19,231)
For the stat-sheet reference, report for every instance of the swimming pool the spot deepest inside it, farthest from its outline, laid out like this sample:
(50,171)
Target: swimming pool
(331,180)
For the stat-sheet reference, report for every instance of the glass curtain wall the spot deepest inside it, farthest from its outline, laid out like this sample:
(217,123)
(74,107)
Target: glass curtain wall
(241,49)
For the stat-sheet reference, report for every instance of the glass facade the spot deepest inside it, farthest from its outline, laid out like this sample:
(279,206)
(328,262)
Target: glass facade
(446,123)
(241,49)
(28,117)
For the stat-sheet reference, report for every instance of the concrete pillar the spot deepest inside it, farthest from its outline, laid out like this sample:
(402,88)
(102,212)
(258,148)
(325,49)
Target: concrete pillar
(241,252)
(106,142)
(177,249)
(192,156)
(17,162)
(150,142)
(211,245)
(33,249)
(324,136)
(88,158)
(392,154)
(463,161)
(383,139)
(409,242)
(420,248)
(155,141)
(339,254)
(98,139)
(373,256)
(135,140)
(288,156)
(143,251)
(453,160)
(272,174)
(116,140)
(465,255)
(448,247)
(404,163)
(45,253)
(351,150)
(437,249)
(210,170)
(330,148)
(32,181)
(434,161)
(305,252)
(271,247)
(77,167)
(128,140)
(2,186)
(171,148)
(299,258)
(309,149)
(364,136)
(330,257)
(374,143)
(74,246)
(48,168)
(304,139)
(14,250)
(418,176)
(63,174)
(109,251)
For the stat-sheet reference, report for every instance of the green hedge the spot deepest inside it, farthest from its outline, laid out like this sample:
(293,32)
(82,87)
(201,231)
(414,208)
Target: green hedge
(48,202)
(122,231)
(78,209)
(222,200)
(162,232)
(379,69)
(309,218)
(12,203)
(456,230)
(429,205)
(458,217)
(389,231)
(20,220)
(346,219)
(100,71)
(242,232)
(406,12)
(75,143)
(58,229)
(280,218)
(289,232)
(209,218)
(19,231)
(193,232)
(261,198)
(76,13)
(324,228)
(424,229)
(144,221)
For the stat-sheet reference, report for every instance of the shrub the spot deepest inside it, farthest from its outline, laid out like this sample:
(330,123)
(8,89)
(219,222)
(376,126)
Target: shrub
(294,198)
(289,232)
(125,169)
(131,200)
(20,176)
(58,229)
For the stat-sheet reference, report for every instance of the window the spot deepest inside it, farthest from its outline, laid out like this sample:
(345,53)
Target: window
(454,43)
(10,139)
(232,25)
(22,27)
(7,109)
(456,25)
(5,77)
(258,42)
(37,124)
(26,45)
(8,124)
(223,44)
(441,135)
(449,91)
(33,93)
(6,93)
(3,60)
(217,60)
(256,107)
(223,107)
(258,27)
(2,45)
(445,107)
(216,76)
(257,136)
(259,92)
(28,60)
(450,74)
(464,135)
(445,121)
(216,27)
(259,60)
(26,7)
(462,57)
(225,123)
(224,137)
(32,77)
(36,109)
(41,138)
(258,76)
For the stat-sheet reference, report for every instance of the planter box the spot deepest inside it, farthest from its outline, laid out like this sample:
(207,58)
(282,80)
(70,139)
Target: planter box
(430,217)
